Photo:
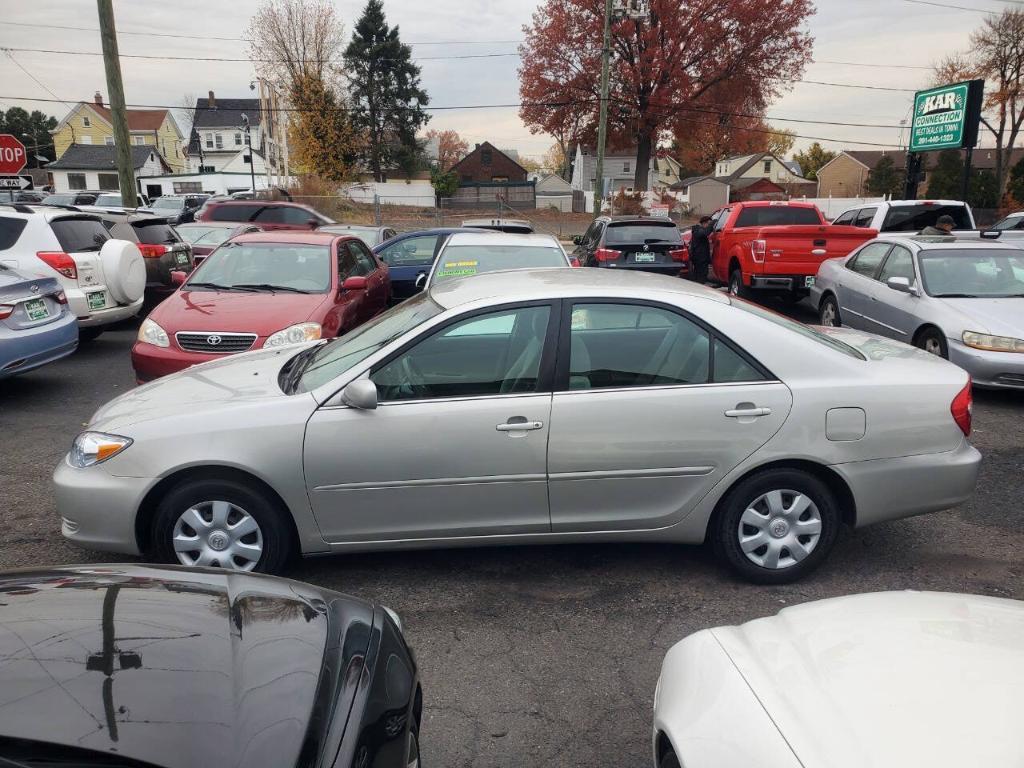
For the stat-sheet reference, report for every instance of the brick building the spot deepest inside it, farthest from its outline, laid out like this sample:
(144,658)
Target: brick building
(487,163)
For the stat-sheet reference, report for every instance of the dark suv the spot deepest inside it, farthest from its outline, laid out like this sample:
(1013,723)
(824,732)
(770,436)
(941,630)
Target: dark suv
(644,243)
(270,215)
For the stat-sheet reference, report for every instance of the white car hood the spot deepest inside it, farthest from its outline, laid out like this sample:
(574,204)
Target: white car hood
(1000,317)
(890,679)
(209,387)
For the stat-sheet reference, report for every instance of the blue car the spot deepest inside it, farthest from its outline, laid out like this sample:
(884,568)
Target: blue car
(412,254)
(36,326)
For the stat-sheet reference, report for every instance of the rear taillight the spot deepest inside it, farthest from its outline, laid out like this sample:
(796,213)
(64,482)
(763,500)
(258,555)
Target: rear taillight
(60,297)
(149,251)
(6,310)
(758,248)
(59,261)
(574,262)
(606,254)
(679,255)
(961,408)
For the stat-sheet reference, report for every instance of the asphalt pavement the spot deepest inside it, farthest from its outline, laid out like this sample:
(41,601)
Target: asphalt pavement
(544,656)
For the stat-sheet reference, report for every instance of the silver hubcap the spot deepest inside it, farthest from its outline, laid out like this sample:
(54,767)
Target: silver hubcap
(828,314)
(779,529)
(218,534)
(933,345)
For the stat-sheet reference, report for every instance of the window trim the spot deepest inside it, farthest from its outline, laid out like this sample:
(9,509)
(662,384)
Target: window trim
(545,375)
(889,255)
(853,259)
(565,349)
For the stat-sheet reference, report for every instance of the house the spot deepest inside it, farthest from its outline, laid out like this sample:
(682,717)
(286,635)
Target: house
(703,194)
(91,122)
(620,167)
(553,192)
(218,136)
(738,169)
(485,163)
(94,166)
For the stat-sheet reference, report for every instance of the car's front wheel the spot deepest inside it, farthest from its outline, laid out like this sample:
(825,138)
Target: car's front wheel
(828,313)
(669,760)
(776,526)
(931,340)
(221,524)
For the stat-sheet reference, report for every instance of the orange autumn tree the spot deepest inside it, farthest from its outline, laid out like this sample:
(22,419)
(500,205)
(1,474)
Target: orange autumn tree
(673,61)
(451,147)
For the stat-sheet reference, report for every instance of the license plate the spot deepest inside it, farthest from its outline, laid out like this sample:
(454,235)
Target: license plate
(808,282)
(181,258)
(36,309)
(97,299)
(644,258)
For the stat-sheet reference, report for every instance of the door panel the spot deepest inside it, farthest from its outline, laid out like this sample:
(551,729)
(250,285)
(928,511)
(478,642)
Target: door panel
(890,312)
(857,279)
(643,458)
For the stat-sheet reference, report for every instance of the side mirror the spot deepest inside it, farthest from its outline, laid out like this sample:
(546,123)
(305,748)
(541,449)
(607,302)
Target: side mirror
(901,284)
(577,239)
(178,277)
(421,280)
(361,394)
(354,283)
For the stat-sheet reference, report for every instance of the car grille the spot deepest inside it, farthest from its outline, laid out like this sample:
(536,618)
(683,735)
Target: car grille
(215,343)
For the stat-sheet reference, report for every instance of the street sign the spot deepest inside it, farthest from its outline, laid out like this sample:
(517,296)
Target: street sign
(15,183)
(946,117)
(12,154)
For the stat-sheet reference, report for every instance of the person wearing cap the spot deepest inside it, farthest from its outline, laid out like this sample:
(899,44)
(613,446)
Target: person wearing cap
(943,226)
(700,250)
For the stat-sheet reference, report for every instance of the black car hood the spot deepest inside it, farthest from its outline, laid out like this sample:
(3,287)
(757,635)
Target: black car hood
(179,667)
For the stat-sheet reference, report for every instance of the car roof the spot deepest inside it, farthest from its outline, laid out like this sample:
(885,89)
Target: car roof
(291,237)
(217,224)
(941,243)
(554,283)
(490,237)
(230,201)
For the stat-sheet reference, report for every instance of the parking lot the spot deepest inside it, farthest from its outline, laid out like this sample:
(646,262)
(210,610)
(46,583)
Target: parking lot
(545,655)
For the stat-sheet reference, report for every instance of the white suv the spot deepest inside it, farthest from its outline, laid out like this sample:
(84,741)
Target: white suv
(103,279)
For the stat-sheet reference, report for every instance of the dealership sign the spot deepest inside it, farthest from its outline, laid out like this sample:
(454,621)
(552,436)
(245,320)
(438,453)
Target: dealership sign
(946,117)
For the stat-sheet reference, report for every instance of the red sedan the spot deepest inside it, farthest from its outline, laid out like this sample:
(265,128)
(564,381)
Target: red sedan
(260,291)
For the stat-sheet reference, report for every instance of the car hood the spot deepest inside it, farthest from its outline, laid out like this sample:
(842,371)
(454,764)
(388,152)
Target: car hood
(889,679)
(1001,317)
(261,313)
(235,380)
(176,667)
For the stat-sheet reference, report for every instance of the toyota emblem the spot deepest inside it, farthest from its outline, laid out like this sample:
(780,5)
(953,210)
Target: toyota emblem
(213,341)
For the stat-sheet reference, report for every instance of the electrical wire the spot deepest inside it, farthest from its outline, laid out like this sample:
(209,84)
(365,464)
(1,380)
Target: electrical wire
(233,59)
(945,5)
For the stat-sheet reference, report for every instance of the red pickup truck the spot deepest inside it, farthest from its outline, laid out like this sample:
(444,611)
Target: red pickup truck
(775,247)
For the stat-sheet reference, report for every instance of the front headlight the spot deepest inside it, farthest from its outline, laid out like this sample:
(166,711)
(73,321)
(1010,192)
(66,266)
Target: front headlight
(993,343)
(94,447)
(295,334)
(151,333)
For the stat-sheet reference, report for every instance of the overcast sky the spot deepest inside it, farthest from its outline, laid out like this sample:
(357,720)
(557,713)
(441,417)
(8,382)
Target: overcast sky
(890,32)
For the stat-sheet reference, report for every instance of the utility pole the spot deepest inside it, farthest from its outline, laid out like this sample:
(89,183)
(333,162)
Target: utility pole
(248,146)
(602,125)
(122,142)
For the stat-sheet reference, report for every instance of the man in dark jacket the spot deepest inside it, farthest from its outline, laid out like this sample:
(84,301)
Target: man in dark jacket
(700,250)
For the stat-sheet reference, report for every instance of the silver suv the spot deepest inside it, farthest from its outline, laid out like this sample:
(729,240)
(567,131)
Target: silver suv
(103,278)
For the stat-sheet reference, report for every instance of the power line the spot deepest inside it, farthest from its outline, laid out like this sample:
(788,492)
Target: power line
(35,79)
(945,5)
(879,66)
(233,59)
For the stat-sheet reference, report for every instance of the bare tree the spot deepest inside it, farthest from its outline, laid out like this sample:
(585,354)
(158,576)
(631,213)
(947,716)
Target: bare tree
(997,55)
(292,41)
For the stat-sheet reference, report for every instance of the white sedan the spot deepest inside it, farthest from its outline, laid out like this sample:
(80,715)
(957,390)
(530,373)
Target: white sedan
(890,679)
(467,253)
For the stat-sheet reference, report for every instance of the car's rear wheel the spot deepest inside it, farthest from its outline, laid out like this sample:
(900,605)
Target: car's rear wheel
(413,760)
(828,313)
(221,524)
(776,526)
(736,286)
(931,340)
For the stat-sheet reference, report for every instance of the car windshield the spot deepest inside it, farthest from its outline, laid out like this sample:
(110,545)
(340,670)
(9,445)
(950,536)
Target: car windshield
(108,200)
(973,274)
(647,232)
(197,234)
(295,267)
(168,203)
(1010,222)
(804,330)
(337,356)
(914,218)
(466,260)
(59,199)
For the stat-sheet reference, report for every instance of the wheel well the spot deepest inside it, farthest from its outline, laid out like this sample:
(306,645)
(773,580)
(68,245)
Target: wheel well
(828,295)
(927,327)
(831,478)
(734,264)
(664,746)
(147,509)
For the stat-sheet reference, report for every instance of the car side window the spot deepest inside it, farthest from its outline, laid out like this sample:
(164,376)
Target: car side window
(10,231)
(864,217)
(410,252)
(899,264)
(868,258)
(730,366)
(295,216)
(720,223)
(592,235)
(629,345)
(485,355)
(365,263)
(845,218)
(347,264)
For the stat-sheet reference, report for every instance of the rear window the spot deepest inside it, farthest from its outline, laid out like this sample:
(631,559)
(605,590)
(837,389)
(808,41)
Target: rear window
(78,234)
(234,212)
(10,231)
(108,200)
(642,232)
(913,218)
(155,232)
(772,215)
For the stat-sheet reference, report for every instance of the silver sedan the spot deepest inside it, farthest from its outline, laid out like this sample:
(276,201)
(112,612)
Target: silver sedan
(962,301)
(529,407)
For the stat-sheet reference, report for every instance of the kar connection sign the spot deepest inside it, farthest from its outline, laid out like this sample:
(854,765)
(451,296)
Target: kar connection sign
(947,117)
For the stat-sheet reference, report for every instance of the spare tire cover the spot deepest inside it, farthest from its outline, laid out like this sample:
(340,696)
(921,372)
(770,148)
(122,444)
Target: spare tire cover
(124,270)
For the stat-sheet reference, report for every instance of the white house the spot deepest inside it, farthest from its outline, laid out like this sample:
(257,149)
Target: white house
(762,165)
(553,192)
(620,168)
(94,167)
(218,136)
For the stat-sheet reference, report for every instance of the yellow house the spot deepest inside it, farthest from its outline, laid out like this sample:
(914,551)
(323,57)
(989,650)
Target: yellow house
(89,122)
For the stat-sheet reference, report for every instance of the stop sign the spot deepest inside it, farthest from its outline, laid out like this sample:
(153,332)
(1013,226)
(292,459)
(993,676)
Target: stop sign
(12,154)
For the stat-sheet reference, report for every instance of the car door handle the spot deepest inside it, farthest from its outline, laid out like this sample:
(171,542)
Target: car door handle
(741,413)
(519,426)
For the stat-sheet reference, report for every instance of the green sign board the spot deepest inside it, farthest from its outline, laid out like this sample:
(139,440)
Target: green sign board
(945,118)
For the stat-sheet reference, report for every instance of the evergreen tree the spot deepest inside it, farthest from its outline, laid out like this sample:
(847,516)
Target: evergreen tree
(321,135)
(384,91)
(812,159)
(984,191)
(1015,186)
(884,179)
(33,130)
(946,181)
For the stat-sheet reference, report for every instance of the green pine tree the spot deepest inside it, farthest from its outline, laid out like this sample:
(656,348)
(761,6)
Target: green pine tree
(384,91)
(1015,185)
(946,181)
(884,179)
